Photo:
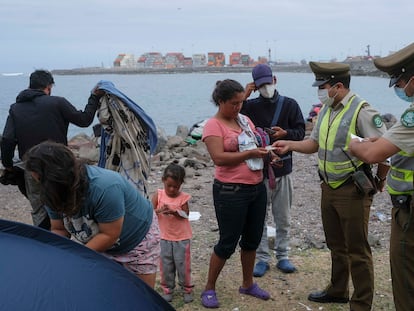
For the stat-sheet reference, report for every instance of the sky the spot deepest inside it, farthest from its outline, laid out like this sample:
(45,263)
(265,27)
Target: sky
(47,34)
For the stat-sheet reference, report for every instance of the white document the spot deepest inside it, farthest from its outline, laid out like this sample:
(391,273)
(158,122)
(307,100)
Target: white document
(386,162)
(182,213)
(357,137)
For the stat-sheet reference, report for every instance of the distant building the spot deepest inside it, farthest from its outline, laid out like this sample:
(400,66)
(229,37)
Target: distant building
(125,61)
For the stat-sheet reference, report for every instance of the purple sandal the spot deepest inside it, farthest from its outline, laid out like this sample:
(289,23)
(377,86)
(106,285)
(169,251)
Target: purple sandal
(255,291)
(209,299)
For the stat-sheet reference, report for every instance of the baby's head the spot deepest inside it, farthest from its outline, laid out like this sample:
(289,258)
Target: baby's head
(173,178)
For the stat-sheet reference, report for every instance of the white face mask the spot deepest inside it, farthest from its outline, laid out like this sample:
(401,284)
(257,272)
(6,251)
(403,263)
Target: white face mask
(323,95)
(267,90)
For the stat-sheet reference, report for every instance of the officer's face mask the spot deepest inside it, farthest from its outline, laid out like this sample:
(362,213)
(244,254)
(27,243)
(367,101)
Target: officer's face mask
(323,95)
(267,90)
(400,92)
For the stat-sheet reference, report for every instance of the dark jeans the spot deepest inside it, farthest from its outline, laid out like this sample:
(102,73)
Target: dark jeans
(240,211)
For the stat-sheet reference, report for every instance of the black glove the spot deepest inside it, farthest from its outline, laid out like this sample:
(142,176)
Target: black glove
(14,177)
(9,177)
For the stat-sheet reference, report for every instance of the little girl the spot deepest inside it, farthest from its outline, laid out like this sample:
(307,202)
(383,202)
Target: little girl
(171,206)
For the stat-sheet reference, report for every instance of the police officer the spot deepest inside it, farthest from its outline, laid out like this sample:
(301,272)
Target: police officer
(398,141)
(344,209)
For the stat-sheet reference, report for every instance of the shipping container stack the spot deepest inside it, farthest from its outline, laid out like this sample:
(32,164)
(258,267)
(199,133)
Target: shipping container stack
(174,60)
(216,59)
(235,59)
(152,60)
(199,60)
(178,60)
(125,61)
(246,60)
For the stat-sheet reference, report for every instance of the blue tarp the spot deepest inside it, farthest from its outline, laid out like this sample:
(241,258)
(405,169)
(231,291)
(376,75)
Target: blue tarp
(43,271)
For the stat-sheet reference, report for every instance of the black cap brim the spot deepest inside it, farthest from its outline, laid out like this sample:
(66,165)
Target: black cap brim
(320,82)
(394,80)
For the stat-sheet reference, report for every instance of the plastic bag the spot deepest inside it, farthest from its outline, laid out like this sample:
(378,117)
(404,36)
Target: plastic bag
(247,143)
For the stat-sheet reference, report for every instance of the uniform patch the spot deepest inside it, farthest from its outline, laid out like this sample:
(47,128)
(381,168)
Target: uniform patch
(407,118)
(377,120)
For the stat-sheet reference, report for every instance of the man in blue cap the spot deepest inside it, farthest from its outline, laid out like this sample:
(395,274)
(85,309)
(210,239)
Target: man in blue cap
(398,142)
(284,119)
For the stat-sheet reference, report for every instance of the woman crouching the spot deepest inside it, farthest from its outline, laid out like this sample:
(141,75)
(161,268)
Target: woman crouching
(98,207)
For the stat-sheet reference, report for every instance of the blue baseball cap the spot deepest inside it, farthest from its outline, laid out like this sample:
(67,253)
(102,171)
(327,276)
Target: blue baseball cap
(262,74)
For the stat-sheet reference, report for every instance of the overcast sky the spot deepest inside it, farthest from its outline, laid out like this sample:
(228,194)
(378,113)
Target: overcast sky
(54,34)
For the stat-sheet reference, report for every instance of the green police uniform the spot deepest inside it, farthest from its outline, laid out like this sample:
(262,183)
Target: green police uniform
(345,211)
(400,65)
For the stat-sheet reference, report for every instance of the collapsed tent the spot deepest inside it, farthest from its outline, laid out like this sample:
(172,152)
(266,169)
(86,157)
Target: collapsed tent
(128,138)
(43,271)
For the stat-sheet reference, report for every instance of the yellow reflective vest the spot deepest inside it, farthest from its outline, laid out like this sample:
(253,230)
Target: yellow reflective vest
(334,135)
(400,176)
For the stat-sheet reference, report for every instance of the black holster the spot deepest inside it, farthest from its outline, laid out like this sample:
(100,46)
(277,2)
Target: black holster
(401,200)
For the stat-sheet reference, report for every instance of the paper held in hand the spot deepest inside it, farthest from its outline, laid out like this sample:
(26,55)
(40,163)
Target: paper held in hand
(182,213)
(386,162)
(357,137)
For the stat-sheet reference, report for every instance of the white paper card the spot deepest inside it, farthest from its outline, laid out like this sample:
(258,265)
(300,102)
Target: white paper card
(357,137)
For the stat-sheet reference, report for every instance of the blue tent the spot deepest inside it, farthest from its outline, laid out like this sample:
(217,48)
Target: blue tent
(42,271)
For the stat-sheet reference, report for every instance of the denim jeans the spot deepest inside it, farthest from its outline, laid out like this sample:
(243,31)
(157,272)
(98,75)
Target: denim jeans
(240,211)
(39,214)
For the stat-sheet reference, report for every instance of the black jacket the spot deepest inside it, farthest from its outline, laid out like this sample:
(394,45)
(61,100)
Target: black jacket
(37,117)
(261,111)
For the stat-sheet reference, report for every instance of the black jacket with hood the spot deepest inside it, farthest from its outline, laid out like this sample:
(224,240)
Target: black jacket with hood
(261,111)
(37,117)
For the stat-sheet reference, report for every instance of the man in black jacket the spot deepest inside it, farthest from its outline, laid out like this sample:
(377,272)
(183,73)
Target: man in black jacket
(282,115)
(35,117)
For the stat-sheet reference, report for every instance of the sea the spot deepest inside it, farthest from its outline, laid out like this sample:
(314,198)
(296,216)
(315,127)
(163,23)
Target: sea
(185,98)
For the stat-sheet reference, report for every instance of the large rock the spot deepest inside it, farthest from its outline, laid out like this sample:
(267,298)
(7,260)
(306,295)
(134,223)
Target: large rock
(84,147)
(174,141)
(162,140)
(182,131)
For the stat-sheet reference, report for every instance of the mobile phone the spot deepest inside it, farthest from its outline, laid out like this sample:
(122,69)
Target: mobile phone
(269,131)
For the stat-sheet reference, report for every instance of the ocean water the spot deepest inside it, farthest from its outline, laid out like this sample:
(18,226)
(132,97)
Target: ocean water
(185,99)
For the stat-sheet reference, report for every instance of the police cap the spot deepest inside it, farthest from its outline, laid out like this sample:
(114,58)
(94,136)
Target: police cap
(397,64)
(324,72)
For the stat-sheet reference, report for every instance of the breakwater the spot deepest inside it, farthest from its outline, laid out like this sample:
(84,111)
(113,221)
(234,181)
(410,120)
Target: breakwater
(361,68)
